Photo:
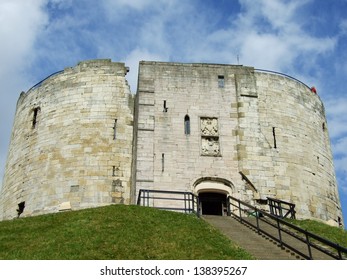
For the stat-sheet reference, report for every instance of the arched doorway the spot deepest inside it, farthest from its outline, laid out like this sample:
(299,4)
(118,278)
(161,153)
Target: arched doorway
(212,203)
(213,193)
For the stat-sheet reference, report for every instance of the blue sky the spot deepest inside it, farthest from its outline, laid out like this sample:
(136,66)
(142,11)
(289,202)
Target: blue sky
(306,39)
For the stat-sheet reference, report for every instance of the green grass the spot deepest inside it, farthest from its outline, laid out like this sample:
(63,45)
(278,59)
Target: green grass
(334,234)
(115,232)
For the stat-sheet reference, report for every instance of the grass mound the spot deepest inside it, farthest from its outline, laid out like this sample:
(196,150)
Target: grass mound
(334,234)
(115,232)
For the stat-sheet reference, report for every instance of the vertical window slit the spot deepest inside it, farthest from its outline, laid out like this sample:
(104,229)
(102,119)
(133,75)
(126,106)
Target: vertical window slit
(113,170)
(115,130)
(221,81)
(162,162)
(36,112)
(164,106)
(274,137)
(186,125)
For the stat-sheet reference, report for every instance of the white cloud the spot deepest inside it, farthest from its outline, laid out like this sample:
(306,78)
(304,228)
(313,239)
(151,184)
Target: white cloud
(132,61)
(270,34)
(280,13)
(337,117)
(340,147)
(336,113)
(266,50)
(343,27)
(341,170)
(122,7)
(61,3)
(265,34)
(20,24)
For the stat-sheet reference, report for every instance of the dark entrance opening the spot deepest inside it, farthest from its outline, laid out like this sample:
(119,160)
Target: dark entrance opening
(213,203)
(20,209)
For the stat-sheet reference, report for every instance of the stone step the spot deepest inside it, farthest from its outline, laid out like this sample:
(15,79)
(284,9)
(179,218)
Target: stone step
(259,245)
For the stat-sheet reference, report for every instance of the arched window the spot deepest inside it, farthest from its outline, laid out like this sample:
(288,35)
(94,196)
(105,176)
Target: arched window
(186,125)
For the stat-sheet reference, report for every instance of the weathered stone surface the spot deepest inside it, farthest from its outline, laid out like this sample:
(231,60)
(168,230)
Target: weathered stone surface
(269,127)
(65,160)
(80,139)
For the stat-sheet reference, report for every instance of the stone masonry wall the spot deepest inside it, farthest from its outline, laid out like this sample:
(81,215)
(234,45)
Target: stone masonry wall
(80,141)
(64,152)
(284,147)
(269,128)
(169,159)
(293,117)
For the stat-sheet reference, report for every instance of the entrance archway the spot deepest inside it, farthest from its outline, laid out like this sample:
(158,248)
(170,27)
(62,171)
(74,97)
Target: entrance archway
(212,203)
(213,193)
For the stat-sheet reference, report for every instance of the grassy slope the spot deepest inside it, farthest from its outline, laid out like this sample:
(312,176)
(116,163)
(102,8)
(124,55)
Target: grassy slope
(114,232)
(334,234)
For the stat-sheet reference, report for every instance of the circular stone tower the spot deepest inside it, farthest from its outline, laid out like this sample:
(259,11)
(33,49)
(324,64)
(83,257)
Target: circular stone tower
(71,144)
(284,145)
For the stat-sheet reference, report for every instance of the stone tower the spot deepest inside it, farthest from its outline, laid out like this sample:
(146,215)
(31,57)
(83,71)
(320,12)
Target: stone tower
(71,144)
(80,139)
(218,130)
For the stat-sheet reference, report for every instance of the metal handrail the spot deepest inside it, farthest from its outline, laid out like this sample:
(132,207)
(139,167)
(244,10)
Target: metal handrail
(191,205)
(282,227)
(190,200)
(40,82)
(282,74)
(276,208)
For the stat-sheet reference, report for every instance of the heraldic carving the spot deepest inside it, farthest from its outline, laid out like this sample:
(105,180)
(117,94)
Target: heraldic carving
(209,137)
(209,126)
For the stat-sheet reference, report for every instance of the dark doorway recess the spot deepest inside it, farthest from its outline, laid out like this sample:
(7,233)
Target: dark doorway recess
(213,203)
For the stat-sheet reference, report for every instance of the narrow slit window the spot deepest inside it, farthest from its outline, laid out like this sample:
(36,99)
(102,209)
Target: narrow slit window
(115,130)
(221,81)
(164,107)
(162,162)
(274,137)
(186,125)
(35,116)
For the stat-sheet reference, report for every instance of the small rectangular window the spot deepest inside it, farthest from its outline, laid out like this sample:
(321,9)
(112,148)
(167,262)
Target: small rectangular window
(221,81)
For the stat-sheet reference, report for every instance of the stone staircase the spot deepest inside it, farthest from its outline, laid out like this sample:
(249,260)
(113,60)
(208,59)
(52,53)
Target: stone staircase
(260,246)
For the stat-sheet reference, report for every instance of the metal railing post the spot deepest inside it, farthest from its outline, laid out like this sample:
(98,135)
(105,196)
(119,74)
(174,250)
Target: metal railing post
(139,198)
(257,219)
(340,254)
(308,244)
(198,206)
(239,203)
(185,203)
(147,197)
(279,232)
(228,206)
